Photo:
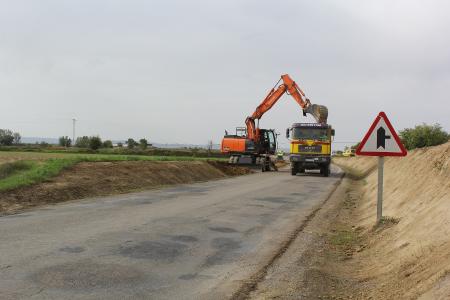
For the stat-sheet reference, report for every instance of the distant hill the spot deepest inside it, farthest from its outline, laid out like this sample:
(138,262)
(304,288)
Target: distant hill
(178,146)
(34,140)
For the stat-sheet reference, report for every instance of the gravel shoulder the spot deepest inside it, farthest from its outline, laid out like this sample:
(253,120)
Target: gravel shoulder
(304,271)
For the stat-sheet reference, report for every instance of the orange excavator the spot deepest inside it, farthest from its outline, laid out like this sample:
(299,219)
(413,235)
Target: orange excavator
(252,145)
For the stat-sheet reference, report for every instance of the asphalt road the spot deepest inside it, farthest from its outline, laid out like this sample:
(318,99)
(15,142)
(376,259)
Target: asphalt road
(196,241)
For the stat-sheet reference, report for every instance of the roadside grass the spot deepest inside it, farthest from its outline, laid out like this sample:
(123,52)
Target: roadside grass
(385,222)
(9,156)
(30,172)
(7,169)
(151,151)
(344,242)
(344,238)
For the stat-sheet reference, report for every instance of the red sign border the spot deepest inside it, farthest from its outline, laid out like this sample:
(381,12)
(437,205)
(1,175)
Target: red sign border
(369,132)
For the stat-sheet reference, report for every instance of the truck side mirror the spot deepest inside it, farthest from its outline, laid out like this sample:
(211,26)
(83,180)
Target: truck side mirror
(333,132)
(287,133)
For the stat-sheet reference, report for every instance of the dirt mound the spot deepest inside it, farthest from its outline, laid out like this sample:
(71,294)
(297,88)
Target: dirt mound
(90,179)
(408,256)
(230,170)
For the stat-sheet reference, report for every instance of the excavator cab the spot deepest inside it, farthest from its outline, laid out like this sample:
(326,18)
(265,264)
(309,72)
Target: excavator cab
(268,142)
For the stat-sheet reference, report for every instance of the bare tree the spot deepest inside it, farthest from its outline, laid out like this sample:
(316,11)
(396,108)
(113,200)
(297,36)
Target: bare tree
(17,138)
(209,146)
(6,137)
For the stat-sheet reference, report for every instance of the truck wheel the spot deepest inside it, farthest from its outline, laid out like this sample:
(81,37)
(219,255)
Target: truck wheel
(266,164)
(263,164)
(264,167)
(302,170)
(325,170)
(294,169)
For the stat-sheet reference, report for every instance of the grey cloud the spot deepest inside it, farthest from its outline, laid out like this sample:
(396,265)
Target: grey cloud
(183,71)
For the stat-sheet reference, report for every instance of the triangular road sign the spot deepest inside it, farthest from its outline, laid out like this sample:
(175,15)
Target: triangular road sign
(381,139)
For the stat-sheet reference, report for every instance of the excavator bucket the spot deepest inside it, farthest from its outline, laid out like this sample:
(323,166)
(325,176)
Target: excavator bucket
(319,112)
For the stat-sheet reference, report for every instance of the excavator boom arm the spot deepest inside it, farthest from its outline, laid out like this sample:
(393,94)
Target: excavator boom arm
(319,112)
(269,101)
(295,91)
(266,104)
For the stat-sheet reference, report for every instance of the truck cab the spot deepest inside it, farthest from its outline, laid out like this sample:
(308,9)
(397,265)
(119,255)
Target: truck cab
(310,147)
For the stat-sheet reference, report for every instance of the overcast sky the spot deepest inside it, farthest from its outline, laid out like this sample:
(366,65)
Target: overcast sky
(178,71)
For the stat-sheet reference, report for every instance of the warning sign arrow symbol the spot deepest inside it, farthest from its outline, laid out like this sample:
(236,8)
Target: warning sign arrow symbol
(381,138)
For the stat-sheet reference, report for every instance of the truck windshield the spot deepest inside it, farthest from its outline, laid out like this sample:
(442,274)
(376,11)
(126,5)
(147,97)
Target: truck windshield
(320,134)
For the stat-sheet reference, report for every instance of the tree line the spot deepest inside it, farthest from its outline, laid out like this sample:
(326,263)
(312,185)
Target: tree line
(420,136)
(8,137)
(95,143)
(424,136)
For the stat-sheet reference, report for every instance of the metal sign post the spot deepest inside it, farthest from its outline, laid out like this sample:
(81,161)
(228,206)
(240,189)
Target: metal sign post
(380,188)
(381,140)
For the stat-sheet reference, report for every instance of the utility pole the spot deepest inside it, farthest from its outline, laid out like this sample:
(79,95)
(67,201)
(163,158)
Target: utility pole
(73,131)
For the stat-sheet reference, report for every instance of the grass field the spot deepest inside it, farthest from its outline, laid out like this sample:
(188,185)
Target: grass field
(18,169)
(9,156)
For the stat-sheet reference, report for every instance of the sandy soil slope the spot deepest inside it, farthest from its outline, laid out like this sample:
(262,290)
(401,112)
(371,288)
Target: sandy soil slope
(343,254)
(409,255)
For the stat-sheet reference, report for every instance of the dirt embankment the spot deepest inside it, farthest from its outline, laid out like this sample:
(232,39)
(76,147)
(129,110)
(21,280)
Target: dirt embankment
(91,179)
(343,254)
(408,256)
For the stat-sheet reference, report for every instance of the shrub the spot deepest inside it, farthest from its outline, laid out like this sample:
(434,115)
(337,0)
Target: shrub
(131,143)
(82,142)
(6,137)
(423,136)
(17,137)
(95,142)
(107,144)
(65,141)
(143,144)
(6,169)
(355,146)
